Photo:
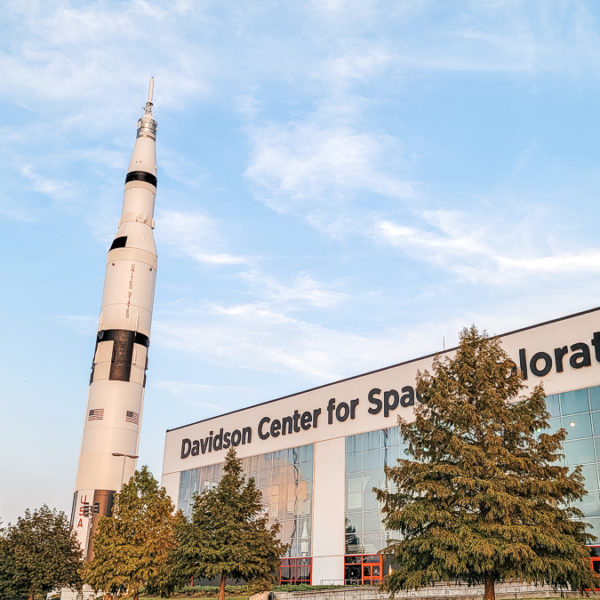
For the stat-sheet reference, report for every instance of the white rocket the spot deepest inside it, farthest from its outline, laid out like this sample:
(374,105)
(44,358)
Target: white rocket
(113,416)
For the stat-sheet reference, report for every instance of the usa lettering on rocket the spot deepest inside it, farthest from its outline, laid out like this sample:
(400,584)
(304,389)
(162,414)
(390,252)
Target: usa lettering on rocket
(110,441)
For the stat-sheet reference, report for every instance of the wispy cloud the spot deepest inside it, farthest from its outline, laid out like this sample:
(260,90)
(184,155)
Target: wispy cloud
(303,291)
(257,337)
(311,169)
(57,190)
(65,54)
(196,236)
(487,248)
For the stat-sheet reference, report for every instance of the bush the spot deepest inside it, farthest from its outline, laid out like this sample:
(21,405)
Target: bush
(304,587)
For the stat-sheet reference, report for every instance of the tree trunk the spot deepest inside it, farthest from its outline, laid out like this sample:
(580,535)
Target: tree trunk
(490,592)
(222,587)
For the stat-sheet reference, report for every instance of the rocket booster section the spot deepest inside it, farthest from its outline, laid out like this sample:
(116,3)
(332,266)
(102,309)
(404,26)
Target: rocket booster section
(113,415)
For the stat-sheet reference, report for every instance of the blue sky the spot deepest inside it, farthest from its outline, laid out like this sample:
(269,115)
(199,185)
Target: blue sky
(342,186)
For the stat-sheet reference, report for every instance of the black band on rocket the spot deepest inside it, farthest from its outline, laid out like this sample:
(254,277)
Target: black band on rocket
(105,335)
(141,176)
(122,356)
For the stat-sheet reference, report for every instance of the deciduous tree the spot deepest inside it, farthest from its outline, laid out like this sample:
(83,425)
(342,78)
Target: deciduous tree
(38,553)
(229,536)
(485,497)
(133,547)
(7,570)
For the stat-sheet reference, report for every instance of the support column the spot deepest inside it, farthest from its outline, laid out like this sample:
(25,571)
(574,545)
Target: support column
(328,535)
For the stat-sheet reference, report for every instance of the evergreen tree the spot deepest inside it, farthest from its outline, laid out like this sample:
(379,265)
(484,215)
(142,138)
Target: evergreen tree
(229,536)
(485,497)
(133,547)
(38,553)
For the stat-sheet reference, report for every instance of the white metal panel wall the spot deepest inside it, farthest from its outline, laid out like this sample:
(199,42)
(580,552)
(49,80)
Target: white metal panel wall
(328,511)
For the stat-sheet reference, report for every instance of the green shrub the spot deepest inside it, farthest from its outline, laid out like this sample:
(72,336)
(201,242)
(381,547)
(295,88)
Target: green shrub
(304,587)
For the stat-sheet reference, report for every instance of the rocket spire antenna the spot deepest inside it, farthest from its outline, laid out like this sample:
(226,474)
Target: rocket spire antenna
(150,94)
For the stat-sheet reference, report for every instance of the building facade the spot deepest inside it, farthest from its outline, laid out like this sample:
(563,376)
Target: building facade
(317,455)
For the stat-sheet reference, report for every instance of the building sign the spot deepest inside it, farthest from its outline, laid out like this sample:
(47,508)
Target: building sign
(377,401)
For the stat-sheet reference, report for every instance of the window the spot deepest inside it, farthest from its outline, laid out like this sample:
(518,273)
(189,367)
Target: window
(363,569)
(366,456)
(285,479)
(293,571)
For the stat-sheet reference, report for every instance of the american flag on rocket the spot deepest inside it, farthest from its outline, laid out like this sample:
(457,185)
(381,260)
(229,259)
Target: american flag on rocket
(132,417)
(96,414)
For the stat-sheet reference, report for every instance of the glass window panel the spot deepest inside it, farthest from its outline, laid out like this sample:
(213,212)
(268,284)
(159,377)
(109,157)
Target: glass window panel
(578,426)
(373,479)
(579,452)
(371,543)
(372,521)
(306,470)
(391,456)
(303,572)
(394,436)
(354,444)
(354,501)
(373,440)
(373,459)
(304,527)
(354,463)
(370,501)
(305,453)
(553,426)
(589,504)
(264,479)
(353,544)
(184,490)
(352,574)
(596,422)
(303,507)
(290,454)
(594,395)
(353,523)
(590,473)
(308,486)
(553,405)
(371,559)
(574,402)
(594,528)
(354,484)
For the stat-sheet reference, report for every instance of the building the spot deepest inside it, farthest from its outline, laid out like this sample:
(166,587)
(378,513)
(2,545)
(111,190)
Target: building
(317,455)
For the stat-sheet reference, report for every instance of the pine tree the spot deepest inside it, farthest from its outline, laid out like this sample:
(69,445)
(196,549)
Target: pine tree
(229,536)
(485,497)
(133,547)
(38,553)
